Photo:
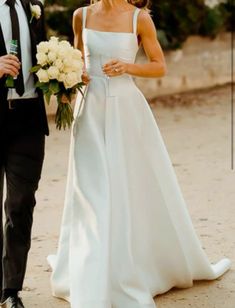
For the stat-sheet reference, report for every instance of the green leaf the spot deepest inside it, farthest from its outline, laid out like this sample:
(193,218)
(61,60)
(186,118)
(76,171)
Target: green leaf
(48,95)
(54,86)
(64,115)
(39,84)
(44,86)
(35,69)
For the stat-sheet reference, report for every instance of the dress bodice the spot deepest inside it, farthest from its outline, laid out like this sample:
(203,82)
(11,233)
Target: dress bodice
(102,46)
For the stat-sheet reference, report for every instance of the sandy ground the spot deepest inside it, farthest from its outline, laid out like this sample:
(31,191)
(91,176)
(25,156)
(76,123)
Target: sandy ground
(196,129)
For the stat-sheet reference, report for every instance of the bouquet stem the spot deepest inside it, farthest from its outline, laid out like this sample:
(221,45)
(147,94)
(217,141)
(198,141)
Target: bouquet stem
(64,115)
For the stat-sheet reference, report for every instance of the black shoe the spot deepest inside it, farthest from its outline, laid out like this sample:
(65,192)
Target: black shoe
(13,302)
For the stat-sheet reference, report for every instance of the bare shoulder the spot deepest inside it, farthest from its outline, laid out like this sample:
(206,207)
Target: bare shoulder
(144,18)
(145,22)
(77,15)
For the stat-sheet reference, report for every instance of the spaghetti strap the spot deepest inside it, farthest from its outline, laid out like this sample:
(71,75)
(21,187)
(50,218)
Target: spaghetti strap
(135,20)
(84,15)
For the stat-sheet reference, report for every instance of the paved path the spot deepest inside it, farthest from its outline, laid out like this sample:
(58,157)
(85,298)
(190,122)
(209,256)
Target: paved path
(196,130)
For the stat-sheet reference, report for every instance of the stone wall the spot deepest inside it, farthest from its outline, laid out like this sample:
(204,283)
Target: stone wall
(201,63)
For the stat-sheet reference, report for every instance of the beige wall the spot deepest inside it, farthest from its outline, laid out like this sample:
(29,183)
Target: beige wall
(201,63)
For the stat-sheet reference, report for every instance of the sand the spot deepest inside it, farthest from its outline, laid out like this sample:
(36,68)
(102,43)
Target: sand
(196,130)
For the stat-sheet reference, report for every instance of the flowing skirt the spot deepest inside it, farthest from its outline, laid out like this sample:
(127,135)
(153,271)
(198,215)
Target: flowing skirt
(126,234)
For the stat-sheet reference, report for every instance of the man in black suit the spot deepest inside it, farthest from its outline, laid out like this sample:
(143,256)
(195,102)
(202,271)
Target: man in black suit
(23,126)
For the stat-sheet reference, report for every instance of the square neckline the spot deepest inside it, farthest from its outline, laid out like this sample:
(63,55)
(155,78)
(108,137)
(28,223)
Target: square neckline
(112,32)
(131,34)
(135,19)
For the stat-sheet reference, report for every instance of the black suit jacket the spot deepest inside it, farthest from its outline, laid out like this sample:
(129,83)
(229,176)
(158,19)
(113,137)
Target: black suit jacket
(29,118)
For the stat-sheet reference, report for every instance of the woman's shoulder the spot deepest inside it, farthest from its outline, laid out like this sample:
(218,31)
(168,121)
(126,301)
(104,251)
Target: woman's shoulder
(145,22)
(144,14)
(144,17)
(78,13)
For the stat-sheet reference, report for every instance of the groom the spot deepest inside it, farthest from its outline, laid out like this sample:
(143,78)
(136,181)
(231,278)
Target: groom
(23,126)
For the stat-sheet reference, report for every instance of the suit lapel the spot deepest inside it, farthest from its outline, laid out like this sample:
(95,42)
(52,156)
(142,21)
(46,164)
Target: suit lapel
(26,6)
(3,52)
(3,49)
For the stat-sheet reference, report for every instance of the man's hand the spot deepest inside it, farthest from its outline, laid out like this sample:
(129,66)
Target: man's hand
(9,65)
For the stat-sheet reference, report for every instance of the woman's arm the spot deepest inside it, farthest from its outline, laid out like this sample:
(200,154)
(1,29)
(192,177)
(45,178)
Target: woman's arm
(156,67)
(77,29)
(78,43)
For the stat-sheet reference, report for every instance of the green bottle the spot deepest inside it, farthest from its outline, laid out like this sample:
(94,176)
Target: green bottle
(10,83)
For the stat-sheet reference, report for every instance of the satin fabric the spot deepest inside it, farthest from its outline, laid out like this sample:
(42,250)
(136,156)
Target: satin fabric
(126,234)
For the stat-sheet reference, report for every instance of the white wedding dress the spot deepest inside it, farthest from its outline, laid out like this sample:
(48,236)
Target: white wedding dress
(126,234)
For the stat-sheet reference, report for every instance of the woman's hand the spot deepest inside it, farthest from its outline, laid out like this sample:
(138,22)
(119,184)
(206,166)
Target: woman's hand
(65,100)
(115,68)
(9,65)
(85,78)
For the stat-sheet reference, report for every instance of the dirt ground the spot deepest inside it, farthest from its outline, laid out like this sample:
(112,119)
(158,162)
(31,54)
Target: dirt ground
(196,129)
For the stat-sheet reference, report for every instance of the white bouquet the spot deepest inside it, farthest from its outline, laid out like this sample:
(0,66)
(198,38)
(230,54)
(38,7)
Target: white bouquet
(59,70)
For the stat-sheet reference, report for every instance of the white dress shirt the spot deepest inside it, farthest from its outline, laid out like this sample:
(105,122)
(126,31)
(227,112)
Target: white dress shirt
(26,60)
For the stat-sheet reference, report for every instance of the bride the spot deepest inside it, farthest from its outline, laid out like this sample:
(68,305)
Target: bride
(126,234)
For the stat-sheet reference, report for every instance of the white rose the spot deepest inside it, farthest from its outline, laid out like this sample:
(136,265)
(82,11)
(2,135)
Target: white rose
(77,65)
(80,73)
(67,62)
(54,39)
(68,69)
(59,64)
(35,11)
(71,80)
(68,65)
(61,77)
(77,55)
(42,75)
(42,47)
(65,44)
(41,58)
(52,56)
(53,46)
(64,52)
(53,72)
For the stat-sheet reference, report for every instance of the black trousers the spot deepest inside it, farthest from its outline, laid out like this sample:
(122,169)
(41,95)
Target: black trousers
(21,159)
